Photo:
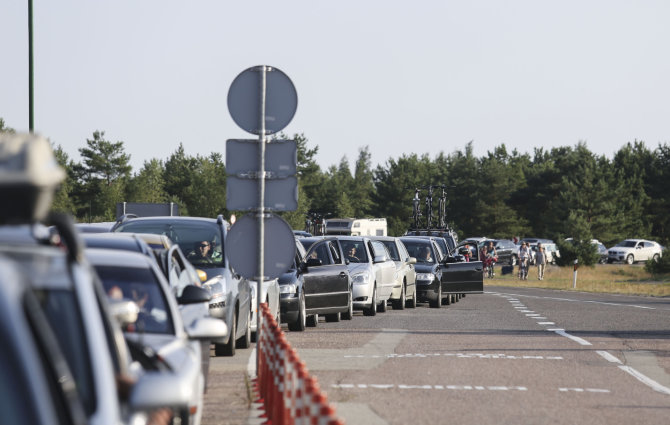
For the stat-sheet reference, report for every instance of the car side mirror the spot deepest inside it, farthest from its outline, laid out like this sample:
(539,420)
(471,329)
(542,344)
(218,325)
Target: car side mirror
(379,258)
(193,295)
(314,262)
(412,260)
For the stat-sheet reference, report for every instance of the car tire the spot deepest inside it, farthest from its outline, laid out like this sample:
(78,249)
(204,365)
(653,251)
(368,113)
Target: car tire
(446,300)
(313,320)
(334,317)
(438,302)
(630,259)
(245,340)
(400,304)
(656,257)
(382,307)
(300,322)
(512,261)
(372,310)
(228,349)
(411,303)
(349,314)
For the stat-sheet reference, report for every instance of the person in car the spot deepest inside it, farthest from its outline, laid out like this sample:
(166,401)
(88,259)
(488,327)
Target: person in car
(425,255)
(201,253)
(351,255)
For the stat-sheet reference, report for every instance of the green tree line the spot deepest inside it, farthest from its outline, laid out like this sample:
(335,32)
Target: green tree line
(563,192)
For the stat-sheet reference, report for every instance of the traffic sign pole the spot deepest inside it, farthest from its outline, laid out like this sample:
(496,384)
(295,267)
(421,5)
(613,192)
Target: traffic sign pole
(261,211)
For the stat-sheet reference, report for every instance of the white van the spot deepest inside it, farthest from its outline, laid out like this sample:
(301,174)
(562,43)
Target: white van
(356,226)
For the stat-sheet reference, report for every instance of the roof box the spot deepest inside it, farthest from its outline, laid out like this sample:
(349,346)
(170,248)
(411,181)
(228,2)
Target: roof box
(29,177)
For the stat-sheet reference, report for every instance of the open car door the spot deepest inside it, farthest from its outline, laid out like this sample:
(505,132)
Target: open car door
(326,277)
(460,276)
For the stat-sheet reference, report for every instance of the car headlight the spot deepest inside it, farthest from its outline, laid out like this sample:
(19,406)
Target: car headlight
(425,276)
(361,278)
(290,288)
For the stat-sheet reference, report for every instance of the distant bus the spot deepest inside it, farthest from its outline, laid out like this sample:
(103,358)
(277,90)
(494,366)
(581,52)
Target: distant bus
(356,226)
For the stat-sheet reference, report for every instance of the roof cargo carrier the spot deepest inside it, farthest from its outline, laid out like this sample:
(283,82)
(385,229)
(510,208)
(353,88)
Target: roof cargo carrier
(29,177)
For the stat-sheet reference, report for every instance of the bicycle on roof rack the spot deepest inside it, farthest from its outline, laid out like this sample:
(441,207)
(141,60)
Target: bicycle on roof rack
(438,215)
(315,223)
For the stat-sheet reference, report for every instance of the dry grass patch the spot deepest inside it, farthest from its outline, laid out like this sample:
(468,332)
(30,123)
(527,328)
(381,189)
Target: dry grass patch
(614,279)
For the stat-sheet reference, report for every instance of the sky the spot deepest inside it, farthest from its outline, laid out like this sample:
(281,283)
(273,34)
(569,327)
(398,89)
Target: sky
(399,77)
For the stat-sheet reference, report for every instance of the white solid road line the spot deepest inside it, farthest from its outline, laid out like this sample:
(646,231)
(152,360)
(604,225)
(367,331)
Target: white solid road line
(607,356)
(577,339)
(646,380)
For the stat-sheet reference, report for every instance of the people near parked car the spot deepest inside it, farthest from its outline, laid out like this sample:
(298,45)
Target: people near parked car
(465,252)
(490,256)
(540,260)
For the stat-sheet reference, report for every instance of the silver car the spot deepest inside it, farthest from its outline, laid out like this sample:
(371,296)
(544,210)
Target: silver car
(231,294)
(404,290)
(372,271)
(136,277)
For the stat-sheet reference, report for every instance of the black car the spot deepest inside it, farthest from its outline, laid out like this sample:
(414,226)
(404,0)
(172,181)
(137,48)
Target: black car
(312,286)
(447,238)
(439,278)
(506,250)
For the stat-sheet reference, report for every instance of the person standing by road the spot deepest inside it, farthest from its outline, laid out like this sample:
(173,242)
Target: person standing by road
(524,255)
(541,261)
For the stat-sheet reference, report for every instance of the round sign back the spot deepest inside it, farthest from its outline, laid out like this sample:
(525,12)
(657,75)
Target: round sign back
(279,244)
(244,100)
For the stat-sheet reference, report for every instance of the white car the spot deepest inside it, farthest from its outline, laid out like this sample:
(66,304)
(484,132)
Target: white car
(372,273)
(632,250)
(404,291)
(136,277)
(269,295)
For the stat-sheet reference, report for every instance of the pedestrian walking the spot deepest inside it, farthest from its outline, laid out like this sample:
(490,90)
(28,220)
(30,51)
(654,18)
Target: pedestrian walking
(524,255)
(541,261)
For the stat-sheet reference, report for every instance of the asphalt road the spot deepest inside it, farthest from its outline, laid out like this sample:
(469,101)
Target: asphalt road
(511,355)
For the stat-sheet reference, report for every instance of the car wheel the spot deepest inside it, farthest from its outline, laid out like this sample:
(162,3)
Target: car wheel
(656,257)
(382,307)
(447,300)
(512,261)
(400,304)
(349,314)
(630,259)
(372,310)
(313,320)
(437,303)
(245,340)
(228,349)
(411,303)
(335,317)
(299,324)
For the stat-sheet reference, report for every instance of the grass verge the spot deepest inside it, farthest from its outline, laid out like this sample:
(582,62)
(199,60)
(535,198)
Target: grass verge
(605,278)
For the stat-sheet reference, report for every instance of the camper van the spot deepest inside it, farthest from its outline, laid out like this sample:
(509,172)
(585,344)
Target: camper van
(356,226)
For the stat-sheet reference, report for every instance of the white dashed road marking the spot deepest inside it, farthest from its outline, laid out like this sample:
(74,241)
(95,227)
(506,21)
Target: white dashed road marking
(577,339)
(582,390)
(646,380)
(430,387)
(456,355)
(607,356)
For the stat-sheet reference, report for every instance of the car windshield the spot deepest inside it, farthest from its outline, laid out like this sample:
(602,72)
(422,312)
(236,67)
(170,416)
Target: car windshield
(420,250)
(139,285)
(393,250)
(358,255)
(627,244)
(200,241)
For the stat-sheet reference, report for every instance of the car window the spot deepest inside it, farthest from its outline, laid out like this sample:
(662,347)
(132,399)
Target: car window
(321,252)
(139,285)
(62,311)
(393,250)
(421,251)
(380,249)
(335,253)
(360,251)
(188,235)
